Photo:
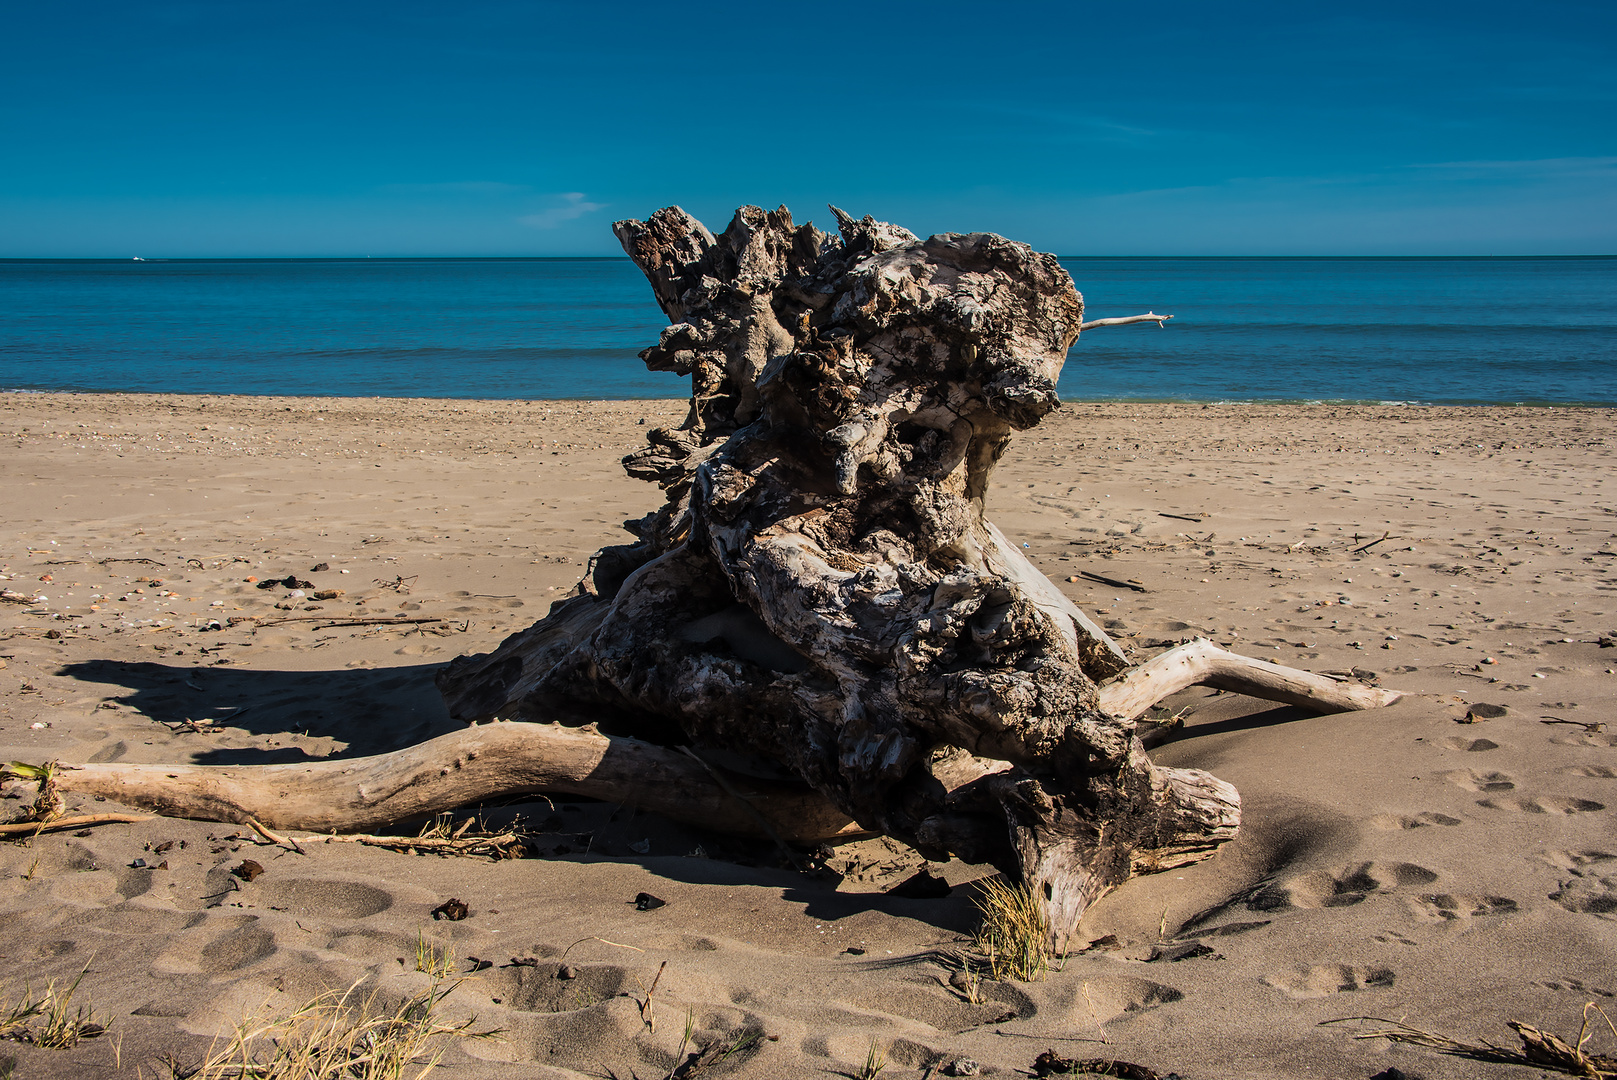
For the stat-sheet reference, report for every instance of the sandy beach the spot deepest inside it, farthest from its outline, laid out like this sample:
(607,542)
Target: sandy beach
(1448,862)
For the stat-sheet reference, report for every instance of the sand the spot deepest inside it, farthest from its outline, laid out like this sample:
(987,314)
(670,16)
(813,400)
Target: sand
(1401,863)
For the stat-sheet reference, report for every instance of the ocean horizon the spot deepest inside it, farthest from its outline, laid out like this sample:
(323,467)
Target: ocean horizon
(1526,330)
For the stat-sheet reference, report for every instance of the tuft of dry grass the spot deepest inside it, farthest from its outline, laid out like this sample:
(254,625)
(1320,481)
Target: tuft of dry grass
(875,1062)
(61,1024)
(1541,1049)
(337,1036)
(437,962)
(1014,935)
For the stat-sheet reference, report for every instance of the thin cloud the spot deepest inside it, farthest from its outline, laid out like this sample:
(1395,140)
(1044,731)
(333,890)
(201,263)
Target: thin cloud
(576,207)
(1537,165)
(459,187)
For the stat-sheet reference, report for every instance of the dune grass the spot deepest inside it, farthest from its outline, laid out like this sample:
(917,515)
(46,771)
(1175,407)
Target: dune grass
(341,1036)
(1014,935)
(51,1020)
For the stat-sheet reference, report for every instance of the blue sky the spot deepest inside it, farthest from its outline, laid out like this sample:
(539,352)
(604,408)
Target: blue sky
(488,128)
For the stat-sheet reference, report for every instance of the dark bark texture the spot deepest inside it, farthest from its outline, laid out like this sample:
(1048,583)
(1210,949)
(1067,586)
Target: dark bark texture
(821,594)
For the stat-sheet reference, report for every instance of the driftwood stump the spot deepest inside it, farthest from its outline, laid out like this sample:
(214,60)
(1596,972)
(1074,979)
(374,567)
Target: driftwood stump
(821,589)
(819,634)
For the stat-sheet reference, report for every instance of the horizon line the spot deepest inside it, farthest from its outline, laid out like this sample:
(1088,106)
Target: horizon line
(625,258)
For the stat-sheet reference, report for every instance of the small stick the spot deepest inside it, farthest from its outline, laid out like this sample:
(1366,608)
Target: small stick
(283,841)
(33,828)
(1184,517)
(1593,729)
(1114,582)
(335,621)
(1373,543)
(646,1012)
(1093,1015)
(602,940)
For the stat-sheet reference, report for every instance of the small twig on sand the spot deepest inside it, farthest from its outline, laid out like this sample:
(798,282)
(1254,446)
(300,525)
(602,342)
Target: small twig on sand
(1115,583)
(338,620)
(647,1012)
(1540,1049)
(148,562)
(602,940)
(33,828)
(495,846)
(283,841)
(1593,728)
(1198,518)
(1373,543)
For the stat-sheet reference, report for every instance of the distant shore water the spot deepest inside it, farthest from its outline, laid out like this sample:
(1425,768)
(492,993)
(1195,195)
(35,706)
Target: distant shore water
(1516,330)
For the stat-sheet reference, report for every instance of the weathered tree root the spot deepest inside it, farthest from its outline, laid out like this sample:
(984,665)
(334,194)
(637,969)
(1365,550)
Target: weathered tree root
(821,594)
(501,760)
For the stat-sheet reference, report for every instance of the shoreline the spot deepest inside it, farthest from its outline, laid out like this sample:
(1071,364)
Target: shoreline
(1188,402)
(1403,862)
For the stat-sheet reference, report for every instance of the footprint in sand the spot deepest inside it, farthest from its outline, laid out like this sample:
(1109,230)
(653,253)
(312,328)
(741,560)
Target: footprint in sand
(1603,772)
(1446,907)
(1321,889)
(1543,804)
(1576,860)
(1590,886)
(1322,980)
(1417,821)
(1478,780)
(1585,738)
(325,899)
(542,989)
(1575,986)
(1472,746)
(1107,997)
(942,1007)
(111,752)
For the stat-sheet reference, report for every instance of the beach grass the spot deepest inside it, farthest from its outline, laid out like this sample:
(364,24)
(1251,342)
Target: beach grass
(339,1036)
(1014,934)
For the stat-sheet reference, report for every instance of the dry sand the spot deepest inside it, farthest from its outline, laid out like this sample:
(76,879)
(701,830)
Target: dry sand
(1399,863)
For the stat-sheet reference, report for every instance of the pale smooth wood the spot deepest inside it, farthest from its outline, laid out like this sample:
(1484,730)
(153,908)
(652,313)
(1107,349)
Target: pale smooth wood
(1201,663)
(460,769)
(1125,320)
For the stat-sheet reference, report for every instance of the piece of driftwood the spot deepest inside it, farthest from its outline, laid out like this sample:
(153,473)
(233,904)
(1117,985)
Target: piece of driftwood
(77,821)
(821,598)
(461,769)
(822,588)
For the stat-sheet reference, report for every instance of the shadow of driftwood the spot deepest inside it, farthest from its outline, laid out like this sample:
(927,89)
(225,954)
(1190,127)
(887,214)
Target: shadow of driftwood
(371,711)
(1267,717)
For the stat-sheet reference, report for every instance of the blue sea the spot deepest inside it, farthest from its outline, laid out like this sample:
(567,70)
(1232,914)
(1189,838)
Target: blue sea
(1431,330)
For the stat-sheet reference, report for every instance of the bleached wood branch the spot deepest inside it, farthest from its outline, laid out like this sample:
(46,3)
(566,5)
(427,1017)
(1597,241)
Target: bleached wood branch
(461,769)
(1124,320)
(1201,663)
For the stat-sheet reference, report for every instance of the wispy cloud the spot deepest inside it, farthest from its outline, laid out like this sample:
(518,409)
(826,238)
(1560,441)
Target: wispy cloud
(575,205)
(1566,166)
(459,187)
